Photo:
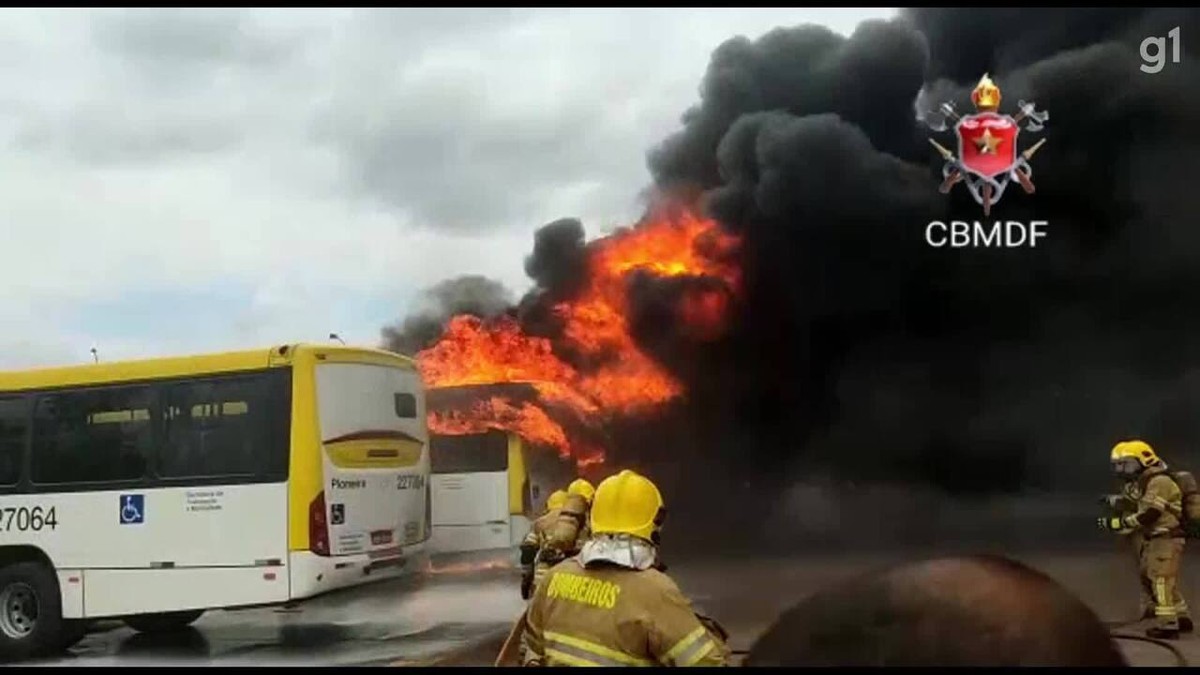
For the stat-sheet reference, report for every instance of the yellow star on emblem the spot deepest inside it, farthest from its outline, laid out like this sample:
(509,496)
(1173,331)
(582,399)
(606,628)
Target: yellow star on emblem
(987,143)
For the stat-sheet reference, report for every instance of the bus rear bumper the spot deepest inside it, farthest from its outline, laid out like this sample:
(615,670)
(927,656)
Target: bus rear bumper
(313,575)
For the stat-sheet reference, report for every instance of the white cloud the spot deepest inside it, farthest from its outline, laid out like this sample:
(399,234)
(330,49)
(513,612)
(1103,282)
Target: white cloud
(308,156)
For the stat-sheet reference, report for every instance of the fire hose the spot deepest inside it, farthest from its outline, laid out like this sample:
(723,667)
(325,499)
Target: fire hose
(1114,632)
(1180,660)
(1113,626)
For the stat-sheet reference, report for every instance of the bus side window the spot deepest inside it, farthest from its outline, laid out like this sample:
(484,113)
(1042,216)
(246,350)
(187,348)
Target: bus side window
(213,428)
(92,436)
(14,432)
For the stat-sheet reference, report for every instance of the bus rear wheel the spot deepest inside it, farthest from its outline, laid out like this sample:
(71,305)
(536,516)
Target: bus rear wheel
(164,622)
(30,611)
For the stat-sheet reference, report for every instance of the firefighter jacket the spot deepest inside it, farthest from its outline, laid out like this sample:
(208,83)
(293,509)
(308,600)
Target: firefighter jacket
(536,538)
(607,614)
(1158,505)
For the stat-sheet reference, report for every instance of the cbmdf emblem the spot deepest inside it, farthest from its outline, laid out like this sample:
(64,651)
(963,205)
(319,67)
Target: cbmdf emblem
(987,159)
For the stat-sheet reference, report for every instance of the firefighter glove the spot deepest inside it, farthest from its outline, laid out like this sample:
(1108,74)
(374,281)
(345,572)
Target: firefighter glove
(1112,524)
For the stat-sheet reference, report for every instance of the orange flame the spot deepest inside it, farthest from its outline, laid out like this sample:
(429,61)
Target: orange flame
(587,460)
(470,353)
(527,420)
(626,381)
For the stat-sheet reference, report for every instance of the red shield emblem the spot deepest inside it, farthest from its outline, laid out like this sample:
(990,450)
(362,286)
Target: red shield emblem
(987,143)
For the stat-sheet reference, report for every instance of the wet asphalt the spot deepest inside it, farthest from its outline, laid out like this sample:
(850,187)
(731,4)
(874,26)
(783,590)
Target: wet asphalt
(459,614)
(422,618)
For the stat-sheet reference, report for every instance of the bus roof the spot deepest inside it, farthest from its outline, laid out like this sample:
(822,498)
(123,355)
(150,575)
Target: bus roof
(180,366)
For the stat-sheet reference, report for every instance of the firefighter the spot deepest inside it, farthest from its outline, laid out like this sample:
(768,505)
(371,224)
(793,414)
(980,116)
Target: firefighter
(536,538)
(1155,524)
(564,532)
(609,606)
(566,536)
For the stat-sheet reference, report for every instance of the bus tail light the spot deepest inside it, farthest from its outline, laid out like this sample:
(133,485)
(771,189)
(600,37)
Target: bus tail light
(318,528)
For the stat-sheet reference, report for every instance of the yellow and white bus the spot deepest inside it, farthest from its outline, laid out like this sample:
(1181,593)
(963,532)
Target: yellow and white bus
(154,490)
(488,487)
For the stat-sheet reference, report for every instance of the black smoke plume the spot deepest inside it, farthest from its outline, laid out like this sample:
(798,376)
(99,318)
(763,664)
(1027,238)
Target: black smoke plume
(558,263)
(470,294)
(858,353)
(865,354)
(558,267)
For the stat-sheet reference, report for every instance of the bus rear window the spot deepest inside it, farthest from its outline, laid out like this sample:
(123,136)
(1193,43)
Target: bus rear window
(406,405)
(353,398)
(475,453)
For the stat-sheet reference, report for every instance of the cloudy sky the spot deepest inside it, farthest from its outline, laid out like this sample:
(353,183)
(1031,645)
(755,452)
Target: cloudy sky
(181,180)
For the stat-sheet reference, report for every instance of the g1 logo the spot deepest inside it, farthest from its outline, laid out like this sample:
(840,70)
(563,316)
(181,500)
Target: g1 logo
(1154,51)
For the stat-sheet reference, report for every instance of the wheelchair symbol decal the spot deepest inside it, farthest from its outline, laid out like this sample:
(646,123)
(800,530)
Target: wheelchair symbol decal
(133,509)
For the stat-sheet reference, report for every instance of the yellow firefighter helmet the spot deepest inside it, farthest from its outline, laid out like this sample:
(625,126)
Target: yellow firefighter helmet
(1138,450)
(556,500)
(628,503)
(582,488)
